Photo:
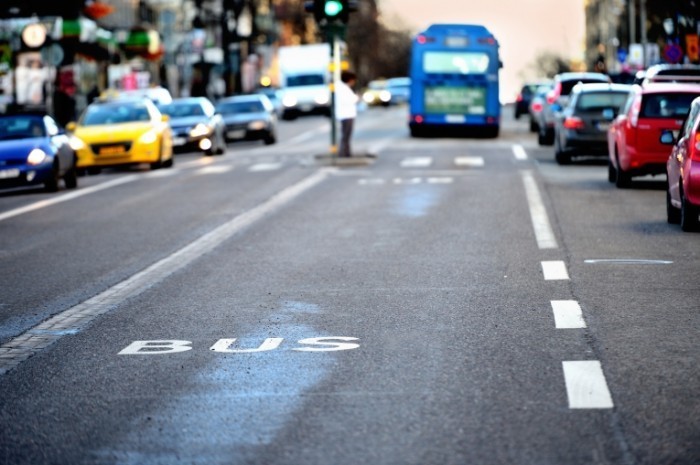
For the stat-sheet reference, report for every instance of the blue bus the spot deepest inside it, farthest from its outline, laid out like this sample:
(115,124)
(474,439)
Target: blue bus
(454,80)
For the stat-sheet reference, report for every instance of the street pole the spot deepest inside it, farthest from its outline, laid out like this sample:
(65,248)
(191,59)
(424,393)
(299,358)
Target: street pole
(643,30)
(335,60)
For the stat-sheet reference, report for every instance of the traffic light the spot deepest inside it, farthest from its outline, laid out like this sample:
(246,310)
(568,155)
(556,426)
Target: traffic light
(328,12)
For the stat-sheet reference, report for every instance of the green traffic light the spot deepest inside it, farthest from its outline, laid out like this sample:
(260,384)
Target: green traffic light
(332,8)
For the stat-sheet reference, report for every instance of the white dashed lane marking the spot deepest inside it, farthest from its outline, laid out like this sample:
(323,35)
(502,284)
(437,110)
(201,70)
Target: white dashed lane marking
(472,162)
(264,167)
(538,213)
(554,270)
(586,386)
(567,314)
(417,162)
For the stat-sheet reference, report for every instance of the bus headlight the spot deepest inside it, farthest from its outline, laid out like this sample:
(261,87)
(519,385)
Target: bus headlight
(36,157)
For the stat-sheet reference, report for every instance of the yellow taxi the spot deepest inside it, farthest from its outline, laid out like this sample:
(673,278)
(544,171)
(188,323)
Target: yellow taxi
(121,132)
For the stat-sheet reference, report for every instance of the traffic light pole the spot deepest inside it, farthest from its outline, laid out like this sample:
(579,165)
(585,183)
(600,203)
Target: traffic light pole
(335,60)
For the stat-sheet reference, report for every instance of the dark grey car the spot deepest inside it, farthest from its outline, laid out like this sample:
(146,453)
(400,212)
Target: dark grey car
(558,97)
(581,128)
(249,117)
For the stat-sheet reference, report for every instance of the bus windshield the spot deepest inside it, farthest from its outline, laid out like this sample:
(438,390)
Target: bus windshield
(455,62)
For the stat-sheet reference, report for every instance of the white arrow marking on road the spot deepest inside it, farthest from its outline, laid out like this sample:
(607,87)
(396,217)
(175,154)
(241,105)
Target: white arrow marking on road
(586,387)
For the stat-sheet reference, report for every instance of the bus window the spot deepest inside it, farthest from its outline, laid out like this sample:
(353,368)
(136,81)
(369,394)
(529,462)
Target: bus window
(455,62)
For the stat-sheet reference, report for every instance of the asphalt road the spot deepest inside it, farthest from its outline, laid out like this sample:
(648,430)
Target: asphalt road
(451,301)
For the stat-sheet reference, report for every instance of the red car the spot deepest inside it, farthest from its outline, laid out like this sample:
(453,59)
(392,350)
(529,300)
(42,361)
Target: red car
(634,145)
(683,172)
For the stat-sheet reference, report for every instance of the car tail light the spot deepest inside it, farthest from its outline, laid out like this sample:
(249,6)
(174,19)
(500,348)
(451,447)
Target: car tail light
(519,98)
(573,122)
(695,149)
(551,97)
(536,107)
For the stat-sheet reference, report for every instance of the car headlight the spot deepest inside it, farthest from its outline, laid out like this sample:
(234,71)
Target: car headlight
(368,97)
(200,130)
(256,125)
(321,99)
(385,96)
(76,143)
(149,137)
(36,157)
(289,101)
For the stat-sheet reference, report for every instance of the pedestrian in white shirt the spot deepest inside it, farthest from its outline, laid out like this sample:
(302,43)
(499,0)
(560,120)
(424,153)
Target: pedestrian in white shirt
(346,110)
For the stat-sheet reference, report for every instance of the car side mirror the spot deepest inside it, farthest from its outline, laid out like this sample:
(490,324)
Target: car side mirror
(556,107)
(164,118)
(71,126)
(667,137)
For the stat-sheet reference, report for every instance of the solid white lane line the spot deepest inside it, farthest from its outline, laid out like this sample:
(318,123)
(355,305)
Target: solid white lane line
(70,196)
(76,318)
(567,314)
(417,162)
(474,162)
(538,214)
(554,270)
(586,387)
(519,152)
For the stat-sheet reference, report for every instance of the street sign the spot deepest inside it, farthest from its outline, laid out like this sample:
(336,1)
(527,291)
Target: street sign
(673,53)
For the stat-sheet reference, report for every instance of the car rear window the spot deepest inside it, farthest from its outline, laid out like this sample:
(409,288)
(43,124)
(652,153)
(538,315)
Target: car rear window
(671,105)
(567,86)
(599,101)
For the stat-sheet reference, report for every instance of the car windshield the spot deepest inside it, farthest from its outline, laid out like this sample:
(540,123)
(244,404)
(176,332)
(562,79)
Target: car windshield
(598,101)
(673,105)
(178,110)
(21,127)
(114,113)
(305,80)
(240,107)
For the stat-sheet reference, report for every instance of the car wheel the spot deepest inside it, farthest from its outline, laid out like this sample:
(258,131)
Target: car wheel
(158,164)
(534,127)
(689,215)
(51,184)
(269,138)
(560,155)
(612,172)
(71,177)
(673,214)
(622,179)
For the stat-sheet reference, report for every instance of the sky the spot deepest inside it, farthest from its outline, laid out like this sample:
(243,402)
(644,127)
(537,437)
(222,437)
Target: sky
(524,29)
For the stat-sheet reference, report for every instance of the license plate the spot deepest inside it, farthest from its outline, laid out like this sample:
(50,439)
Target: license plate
(235,134)
(9,174)
(179,141)
(603,126)
(306,107)
(112,150)
(455,119)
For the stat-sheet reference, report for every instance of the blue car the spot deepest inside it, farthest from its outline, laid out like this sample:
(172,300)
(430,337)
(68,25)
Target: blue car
(35,151)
